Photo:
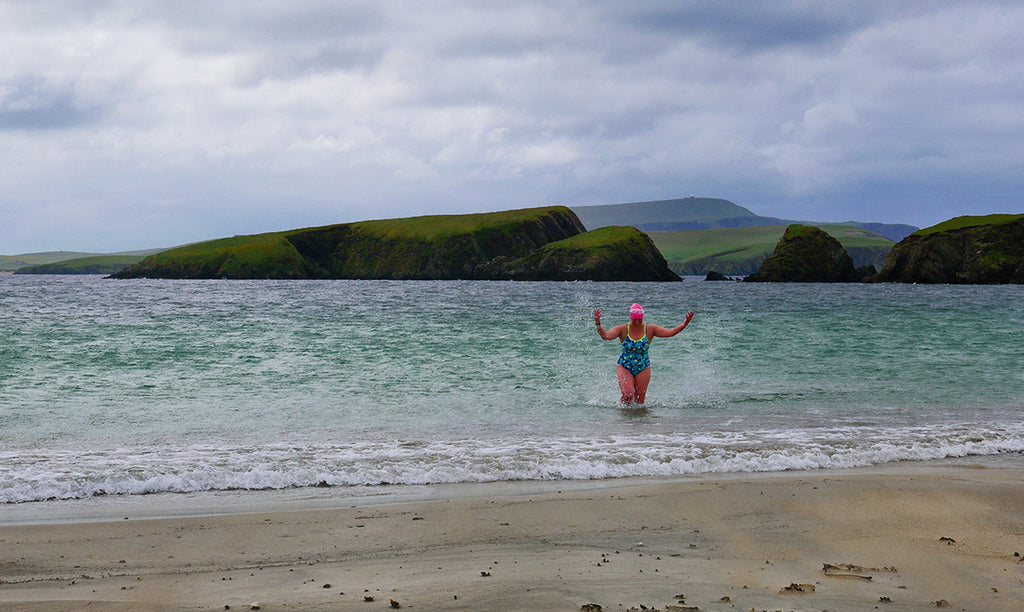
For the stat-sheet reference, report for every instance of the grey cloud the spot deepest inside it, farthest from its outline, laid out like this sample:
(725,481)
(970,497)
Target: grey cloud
(28,104)
(240,22)
(743,26)
(315,59)
(758,26)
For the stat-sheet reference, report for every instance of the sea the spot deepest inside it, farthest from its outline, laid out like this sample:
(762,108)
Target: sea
(149,398)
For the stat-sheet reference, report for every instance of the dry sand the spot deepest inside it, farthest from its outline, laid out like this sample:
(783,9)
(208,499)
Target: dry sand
(900,538)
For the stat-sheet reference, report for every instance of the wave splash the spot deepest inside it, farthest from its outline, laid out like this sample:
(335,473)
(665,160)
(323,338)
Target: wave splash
(66,474)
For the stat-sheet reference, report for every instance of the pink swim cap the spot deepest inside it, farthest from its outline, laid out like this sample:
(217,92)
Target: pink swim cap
(636,311)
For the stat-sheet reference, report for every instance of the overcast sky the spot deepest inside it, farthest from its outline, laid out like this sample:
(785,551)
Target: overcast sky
(137,124)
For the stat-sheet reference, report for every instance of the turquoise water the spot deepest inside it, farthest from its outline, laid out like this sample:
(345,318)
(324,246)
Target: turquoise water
(122,388)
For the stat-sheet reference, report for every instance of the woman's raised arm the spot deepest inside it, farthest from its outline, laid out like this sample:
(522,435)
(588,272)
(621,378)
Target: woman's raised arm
(609,334)
(664,332)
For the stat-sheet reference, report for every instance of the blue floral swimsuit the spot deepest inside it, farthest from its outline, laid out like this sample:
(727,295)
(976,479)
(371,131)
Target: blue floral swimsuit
(634,353)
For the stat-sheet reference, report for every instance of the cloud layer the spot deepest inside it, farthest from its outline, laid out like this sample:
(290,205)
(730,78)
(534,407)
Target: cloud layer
(138,124)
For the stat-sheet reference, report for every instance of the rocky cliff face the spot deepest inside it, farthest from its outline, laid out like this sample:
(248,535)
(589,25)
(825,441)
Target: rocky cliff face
(967,253)
(807,254)
(378,251)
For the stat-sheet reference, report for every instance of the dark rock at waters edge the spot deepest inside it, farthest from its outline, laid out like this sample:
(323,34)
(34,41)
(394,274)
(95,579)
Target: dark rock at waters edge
(605,254)
(965,250)
(491,246)
(716,276)
(807,254)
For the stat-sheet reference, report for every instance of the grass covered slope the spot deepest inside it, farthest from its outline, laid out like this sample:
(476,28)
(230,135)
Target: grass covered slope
(268,255)
(428,247)
(958,223)
(740,251)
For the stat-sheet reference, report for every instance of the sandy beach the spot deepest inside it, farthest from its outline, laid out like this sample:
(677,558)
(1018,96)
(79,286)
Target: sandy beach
(905,537)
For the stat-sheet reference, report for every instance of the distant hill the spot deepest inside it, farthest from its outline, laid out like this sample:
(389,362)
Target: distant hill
(692,213)
(892,231)
(698,235)
(96,264)
(10,263)
(666,215)
(740,251)
(71,262)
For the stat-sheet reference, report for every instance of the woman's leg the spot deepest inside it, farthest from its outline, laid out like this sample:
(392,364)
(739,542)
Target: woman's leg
(640,382)
(626,384)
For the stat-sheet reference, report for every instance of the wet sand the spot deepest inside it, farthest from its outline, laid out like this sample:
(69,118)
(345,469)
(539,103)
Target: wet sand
(906,537)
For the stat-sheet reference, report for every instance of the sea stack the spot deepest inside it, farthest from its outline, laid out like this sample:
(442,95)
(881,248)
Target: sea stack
(807,254)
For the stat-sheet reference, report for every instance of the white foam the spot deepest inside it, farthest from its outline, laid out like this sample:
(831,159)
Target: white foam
(62,474)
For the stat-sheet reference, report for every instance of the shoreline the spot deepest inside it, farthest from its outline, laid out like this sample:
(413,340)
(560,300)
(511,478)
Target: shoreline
(900,536)
(170,505)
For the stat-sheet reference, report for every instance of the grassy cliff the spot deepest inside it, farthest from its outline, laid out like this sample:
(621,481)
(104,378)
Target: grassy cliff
(431,247)
(965,250)
(427,247)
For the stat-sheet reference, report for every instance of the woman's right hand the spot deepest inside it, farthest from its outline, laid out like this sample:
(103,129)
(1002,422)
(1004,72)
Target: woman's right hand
(597,317)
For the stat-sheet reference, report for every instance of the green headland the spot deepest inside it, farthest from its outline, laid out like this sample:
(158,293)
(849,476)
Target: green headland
(500,245)
(986,249)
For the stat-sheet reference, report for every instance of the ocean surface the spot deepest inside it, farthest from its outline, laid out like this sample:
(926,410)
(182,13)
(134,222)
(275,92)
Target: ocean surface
(185,394)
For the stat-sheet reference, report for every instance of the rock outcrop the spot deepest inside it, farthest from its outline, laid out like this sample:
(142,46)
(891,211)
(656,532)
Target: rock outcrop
(501,245)
(965,250)
(807,254)
(606,254)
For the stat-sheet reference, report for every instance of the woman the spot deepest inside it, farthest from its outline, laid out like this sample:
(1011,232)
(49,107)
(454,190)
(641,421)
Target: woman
(634,366)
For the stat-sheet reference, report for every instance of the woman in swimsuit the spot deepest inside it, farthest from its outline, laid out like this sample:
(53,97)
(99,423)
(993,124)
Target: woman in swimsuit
(634,365)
